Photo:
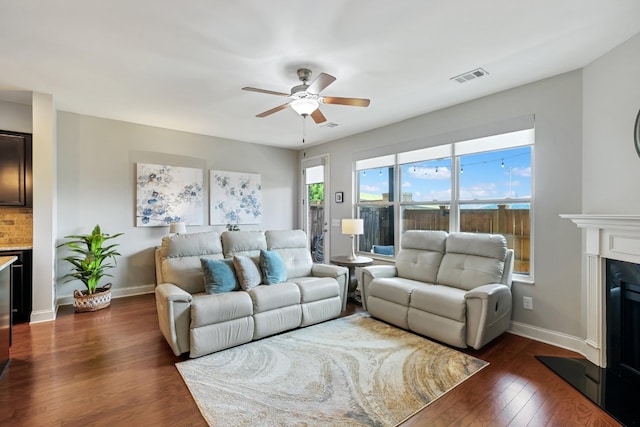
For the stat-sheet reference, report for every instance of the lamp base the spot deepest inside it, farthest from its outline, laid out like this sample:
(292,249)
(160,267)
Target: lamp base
(352,256)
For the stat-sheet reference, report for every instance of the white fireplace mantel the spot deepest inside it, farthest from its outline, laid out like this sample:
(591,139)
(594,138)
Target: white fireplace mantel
(607,236)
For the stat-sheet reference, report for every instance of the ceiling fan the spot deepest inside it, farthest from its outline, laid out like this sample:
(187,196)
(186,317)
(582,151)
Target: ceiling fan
(306,98)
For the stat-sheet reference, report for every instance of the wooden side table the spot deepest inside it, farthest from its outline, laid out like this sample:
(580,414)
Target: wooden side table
(351,264)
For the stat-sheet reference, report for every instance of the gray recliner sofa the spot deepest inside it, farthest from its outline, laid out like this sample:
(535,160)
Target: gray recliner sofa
(455,288)
(198,323)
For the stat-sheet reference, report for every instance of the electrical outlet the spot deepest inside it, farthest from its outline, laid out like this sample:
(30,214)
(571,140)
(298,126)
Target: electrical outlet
(527,303)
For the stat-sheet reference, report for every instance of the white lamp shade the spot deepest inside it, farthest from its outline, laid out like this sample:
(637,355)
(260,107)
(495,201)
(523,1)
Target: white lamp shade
(178,227)
(304,106)
(352,226)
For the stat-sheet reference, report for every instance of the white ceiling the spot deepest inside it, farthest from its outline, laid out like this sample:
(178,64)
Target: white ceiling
(182,64)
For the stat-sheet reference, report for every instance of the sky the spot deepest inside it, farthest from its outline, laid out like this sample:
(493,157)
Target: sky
(484,176)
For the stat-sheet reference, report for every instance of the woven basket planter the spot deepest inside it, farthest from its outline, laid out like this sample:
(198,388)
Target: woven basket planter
(96,301)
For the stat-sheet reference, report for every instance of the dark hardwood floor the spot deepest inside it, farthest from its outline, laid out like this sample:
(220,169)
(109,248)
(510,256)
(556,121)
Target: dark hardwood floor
(113,367)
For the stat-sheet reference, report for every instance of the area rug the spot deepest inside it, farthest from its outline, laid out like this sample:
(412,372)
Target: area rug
(352,371)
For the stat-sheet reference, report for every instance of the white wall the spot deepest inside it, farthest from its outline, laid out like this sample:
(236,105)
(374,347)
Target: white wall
(96,185)
(44,207)
(39,119)
(15,117)
(611,103)
(557,105)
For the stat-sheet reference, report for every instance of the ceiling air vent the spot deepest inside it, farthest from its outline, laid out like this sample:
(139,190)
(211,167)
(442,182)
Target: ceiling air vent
(473,74)
(329,125)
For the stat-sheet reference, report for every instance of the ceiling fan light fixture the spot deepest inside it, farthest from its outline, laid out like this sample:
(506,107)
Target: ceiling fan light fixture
(305,99)
(304,106)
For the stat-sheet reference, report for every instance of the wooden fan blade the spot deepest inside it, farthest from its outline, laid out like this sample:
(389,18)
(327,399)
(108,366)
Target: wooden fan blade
(321,82)
(269,92)
(273,110)
(355,102)
(318,117)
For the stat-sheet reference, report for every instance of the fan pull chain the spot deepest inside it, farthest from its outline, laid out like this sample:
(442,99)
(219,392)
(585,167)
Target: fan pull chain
(304,127)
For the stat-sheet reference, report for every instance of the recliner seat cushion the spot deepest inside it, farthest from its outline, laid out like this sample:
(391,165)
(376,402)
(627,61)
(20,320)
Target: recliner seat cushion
(316,288)
(394,289)
(267,298)
(443,301)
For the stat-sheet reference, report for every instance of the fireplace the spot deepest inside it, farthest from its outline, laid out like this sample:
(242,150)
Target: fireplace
(623,319)
(607,238)
(610,375)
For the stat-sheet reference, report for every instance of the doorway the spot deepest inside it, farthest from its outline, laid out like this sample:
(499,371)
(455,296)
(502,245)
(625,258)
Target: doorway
(316,206)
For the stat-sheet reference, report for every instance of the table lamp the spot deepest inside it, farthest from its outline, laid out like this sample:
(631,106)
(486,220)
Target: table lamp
(352,227)
(178,227)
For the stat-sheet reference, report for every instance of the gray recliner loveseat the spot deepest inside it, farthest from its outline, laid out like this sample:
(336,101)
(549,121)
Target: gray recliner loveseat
(455,288)
(195,322)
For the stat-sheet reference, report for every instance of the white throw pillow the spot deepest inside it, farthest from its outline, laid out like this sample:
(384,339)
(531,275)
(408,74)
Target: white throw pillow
(247,271)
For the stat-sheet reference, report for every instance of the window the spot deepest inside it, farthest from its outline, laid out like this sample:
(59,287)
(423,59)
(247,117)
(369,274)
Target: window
(502,181)
(426,195)
(479,186)
(376,196)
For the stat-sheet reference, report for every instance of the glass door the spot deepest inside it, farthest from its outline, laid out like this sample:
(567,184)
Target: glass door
(315,209)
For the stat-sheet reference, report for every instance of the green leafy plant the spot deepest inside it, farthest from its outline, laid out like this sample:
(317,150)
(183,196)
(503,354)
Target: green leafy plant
(90,258)
(316,193)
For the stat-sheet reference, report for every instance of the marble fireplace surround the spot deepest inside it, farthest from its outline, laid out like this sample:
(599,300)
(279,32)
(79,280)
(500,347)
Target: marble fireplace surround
(607,237)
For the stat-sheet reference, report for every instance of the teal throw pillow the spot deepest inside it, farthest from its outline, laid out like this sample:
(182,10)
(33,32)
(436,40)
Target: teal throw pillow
(273,268)
(219,276)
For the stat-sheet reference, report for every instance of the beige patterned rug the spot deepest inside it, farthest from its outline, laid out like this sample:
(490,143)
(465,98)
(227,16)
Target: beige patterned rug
(353,371)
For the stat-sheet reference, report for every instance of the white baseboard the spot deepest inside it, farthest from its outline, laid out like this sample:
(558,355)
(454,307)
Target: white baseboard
(42,316)
(115,293)
(135,290)
(547,336)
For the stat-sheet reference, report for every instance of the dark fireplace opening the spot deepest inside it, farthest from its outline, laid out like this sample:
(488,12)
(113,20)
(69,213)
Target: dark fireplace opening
(623,319)
(616,388)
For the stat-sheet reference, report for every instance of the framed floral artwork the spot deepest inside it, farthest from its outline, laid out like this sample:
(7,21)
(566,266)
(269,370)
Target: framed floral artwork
(235,198)
(166,194)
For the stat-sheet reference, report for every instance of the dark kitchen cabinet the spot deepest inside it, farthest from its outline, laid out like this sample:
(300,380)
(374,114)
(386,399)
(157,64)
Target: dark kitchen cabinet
(21,292)
(5,312)
(15,169)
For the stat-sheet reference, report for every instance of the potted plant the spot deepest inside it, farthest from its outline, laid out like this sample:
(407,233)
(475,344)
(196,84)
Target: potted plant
(90,260)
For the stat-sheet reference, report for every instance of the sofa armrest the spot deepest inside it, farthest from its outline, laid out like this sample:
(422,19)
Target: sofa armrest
(172,292)
(341,274)
(372,272)
(174,316)
(327,270)
(488,313)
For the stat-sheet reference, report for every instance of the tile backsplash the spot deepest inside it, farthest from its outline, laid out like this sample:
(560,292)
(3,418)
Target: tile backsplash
(16,226)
